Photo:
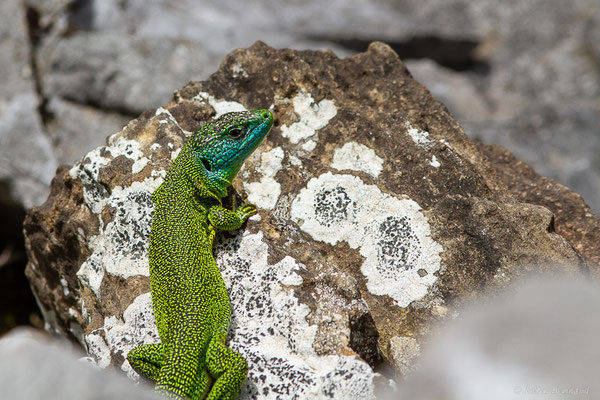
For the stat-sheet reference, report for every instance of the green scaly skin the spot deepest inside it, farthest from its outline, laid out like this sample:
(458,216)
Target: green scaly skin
(190,301)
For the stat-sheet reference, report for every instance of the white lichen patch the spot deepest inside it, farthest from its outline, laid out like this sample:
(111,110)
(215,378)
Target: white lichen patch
(295,161)
(122,146)
(120,336)
(309,145)
(121,247)
(265,193)
(87,169)
(270,330)
(98,349)
(357,157)
(65,286)
(139,165)
(421,138)
(238,71)
(393,234)
(220,106)
(175,153)
(434,162)
(313,116)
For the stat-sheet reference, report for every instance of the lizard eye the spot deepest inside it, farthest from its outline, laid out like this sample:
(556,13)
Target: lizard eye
(236,133)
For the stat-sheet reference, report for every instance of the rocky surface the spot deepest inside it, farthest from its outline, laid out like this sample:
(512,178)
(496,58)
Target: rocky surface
(519,74)
(377,218)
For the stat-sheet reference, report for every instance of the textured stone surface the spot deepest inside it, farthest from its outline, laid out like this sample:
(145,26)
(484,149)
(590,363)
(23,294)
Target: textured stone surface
(114,74)
(574,220)
(537,88)
(519,74)
(378,218)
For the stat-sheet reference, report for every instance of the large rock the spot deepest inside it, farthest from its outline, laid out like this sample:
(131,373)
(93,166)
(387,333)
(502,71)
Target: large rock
(539,83)
(527,74)
(377,218)
(113,74)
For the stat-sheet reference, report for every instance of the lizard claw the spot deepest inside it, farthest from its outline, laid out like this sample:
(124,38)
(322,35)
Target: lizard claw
(246,211)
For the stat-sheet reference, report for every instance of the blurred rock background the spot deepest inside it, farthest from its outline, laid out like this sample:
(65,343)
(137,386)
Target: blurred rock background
(520,345)
(522,74)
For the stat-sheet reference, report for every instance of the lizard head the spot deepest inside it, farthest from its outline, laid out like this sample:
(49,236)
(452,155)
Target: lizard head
(220,147)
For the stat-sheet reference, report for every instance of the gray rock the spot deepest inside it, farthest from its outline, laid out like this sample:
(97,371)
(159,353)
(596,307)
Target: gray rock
(15,50)
(27,162)
(535,340)
(75,128)
(27,159)
(32,366)
(519,63)
(541,90)
(114,74)
(378,218)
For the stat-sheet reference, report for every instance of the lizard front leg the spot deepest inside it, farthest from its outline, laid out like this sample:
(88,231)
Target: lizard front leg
(227,220)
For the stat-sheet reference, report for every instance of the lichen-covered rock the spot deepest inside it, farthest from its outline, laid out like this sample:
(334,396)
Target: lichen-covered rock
(377,217)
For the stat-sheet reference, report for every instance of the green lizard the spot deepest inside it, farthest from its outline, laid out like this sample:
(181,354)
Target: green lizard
(189,298)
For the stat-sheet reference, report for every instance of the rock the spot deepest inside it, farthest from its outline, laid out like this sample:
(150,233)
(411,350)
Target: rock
(79,128)
(27,161)
(499,349)
(377,219)
(113,74)
(575,221)
(34,367)
(528,72)
(535,70)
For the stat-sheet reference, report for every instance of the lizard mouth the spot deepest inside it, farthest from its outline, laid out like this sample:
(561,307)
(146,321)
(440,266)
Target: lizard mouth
(206,164)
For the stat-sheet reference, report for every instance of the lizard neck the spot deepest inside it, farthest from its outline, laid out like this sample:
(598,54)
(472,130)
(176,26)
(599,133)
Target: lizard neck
(186,175)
